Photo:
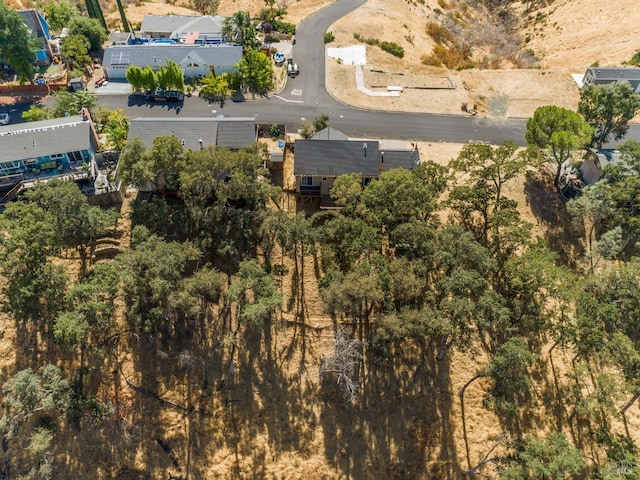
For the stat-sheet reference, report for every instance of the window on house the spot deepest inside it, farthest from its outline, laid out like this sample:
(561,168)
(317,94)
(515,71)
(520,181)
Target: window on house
(56,156)
(306,181)
(75,156)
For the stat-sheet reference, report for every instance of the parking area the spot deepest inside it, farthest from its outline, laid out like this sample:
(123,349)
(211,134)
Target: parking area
(114,87)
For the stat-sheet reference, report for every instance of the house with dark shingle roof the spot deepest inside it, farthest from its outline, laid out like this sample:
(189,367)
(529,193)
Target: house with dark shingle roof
(197,133)
(195,60)
(607,75)
(392,158)
(318,162)
(33,152)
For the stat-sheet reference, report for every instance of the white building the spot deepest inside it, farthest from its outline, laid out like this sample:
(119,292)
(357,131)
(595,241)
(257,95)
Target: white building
(195,60)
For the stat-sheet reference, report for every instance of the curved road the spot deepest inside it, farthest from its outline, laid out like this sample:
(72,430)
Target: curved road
(312,99)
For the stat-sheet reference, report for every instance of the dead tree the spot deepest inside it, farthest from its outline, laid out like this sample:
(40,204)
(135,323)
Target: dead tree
(342,364)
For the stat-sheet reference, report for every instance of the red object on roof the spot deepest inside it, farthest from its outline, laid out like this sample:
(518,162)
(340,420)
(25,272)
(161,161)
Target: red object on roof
(191,38)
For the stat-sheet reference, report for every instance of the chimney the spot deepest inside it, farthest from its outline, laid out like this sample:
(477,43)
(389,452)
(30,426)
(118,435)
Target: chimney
(381,157)
(200,142)
(364,147)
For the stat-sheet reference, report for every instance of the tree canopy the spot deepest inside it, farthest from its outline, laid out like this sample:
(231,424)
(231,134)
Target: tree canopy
(256,70)
(608,108)
(16,46)
(89,28)
(558,132)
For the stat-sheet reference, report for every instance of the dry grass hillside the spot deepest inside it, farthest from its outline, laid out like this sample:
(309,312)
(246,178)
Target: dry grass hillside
(566,37)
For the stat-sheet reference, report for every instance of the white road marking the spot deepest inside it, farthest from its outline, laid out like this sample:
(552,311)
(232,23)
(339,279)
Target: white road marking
(287,100)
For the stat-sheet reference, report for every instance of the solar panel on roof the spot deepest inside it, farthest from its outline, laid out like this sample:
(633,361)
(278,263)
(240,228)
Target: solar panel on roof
(120,58)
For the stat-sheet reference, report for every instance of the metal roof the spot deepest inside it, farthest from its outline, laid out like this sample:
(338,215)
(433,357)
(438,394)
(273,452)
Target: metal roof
(614,73)
(174,25)
(156,54)
(336,157)
(47,137)
(197,132)
(329,133)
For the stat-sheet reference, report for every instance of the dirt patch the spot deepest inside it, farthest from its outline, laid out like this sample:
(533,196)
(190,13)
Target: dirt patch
(514,93)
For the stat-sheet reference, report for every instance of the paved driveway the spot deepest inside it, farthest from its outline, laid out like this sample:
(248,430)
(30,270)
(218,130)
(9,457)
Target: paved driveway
(114,87)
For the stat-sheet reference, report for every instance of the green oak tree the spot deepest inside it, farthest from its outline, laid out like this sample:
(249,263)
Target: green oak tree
(37,113)
(256,70)
(76,224)
(255,292)
(35,288)
(215,87)
(153,272)
(75,51)
(540,458)
(509,370)
(89,28)
(608,109)
(60,14)
(16,47)
(558,132)
(589,212)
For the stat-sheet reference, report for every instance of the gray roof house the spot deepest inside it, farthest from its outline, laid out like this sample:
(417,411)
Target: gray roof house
(319,160)
(197,133)
(39,151)
(178,27)
(332,158)
(195,60)
(329,133)
(606,75)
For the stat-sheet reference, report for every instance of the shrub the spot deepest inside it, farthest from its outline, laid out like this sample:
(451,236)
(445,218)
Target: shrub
(635,60)
(392,48)
(274,131)
(368,41)
(283,27)
(438,32)
(268,14)
(453,57)
(329,37)
(271,39)
(431,59)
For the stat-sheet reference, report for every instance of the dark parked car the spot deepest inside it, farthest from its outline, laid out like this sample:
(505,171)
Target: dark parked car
(165,96)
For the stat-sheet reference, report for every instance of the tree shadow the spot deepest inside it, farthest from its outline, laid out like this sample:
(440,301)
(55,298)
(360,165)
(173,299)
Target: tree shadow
(402,425)
(550,211)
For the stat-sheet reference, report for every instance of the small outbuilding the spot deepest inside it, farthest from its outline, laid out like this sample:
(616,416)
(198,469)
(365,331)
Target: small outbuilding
(594,162)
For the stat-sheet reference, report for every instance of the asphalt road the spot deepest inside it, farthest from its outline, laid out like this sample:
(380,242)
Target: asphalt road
(306,97)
